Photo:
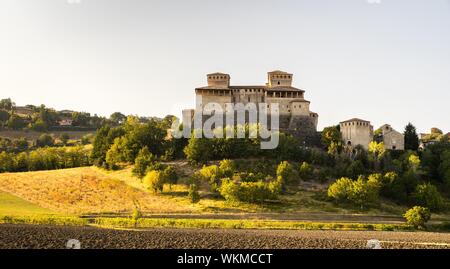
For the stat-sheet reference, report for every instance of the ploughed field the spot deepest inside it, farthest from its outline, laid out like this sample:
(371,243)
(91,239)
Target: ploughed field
(29,236)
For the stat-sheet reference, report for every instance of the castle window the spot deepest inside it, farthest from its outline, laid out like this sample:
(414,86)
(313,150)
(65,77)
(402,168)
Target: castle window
(249,98)
(278,83)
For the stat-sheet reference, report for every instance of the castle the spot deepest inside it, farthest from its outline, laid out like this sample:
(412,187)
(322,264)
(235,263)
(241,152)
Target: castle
(360,132)
(295,116)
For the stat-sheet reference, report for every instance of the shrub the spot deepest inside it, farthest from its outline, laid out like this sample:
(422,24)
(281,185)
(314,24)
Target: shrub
(417,216)
(210,174)
(87,139)
(45,140)
(64,139)
(136,215)
(341,189)
(364,192)
(361,192)
(427,195)
(286,172)
(154,181)
(355,169)
(170,176)
(198,150)
(249,191)
(144,159)
(227,168)
(305,171)
(193,194)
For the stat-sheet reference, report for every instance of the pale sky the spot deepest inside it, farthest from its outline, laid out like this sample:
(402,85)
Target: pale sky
(386,62)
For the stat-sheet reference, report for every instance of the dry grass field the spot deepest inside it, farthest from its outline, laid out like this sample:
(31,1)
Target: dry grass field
(86,190)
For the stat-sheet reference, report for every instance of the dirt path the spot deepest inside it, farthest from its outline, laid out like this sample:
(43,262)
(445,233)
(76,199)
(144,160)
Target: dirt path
(24,236)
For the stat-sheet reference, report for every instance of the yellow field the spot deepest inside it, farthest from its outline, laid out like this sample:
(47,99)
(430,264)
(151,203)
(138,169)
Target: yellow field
(87,190)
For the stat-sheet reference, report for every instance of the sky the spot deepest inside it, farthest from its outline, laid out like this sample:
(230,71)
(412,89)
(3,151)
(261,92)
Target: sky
(387,61)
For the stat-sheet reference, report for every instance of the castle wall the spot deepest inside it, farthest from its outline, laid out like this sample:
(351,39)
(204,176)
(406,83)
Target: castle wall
(357,133)
(394,140)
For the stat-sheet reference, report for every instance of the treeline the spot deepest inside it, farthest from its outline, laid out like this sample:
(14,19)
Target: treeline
(114,146)
(42,119)
(48,158)
(44,140)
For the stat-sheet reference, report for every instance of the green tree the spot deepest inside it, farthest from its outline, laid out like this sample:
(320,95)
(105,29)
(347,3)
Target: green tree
(15,122)
(411,138)
(144,159)
(170,176)
(210,174)
(7,104)
(332,139)
(136,215)
(4,117)
(417,216)
(64,139)
(103,140)
(227,168)
(193,194)
(45,140)
(154,181)
(117,118)
(427,195)
(286,173)
(305,171)
(198,150)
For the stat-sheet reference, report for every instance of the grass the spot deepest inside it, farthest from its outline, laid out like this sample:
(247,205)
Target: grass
(92,191)
(85,190)
(146,223)
(14,206)
(244,224)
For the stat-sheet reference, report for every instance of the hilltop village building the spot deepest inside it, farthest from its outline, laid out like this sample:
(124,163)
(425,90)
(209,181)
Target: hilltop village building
(360,132)
(294,110)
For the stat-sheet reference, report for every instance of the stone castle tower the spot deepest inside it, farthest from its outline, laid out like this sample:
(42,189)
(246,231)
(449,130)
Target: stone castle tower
(295,115)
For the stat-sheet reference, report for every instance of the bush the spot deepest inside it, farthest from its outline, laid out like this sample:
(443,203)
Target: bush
(64,139)
(142,162)
(355,169)
(341,189)
(361,192)
(305,171)
(417,216)
(193,194)
(87,139)
(286,173)
(211,175)
(249,191)
(227,168)
(427,195)
(170,176)
(45,140)
(154,181)
(198,150)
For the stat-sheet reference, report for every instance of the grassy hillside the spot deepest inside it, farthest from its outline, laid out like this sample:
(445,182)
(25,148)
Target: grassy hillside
(85,190)
(14,206)
(90,190)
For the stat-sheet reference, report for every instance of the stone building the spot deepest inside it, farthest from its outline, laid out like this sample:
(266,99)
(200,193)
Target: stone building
(392,139)
(356,132)
(295,115)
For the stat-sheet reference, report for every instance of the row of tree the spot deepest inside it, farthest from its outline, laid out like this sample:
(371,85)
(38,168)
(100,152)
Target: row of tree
(49,158)
(40,118)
